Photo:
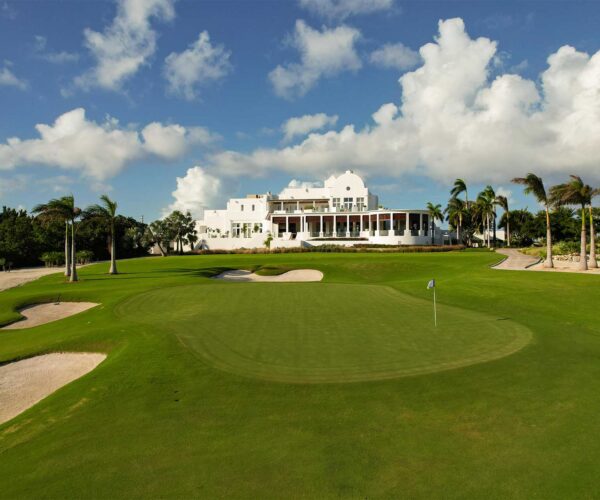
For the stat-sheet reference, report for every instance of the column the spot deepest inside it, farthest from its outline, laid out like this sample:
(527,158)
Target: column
(377,221)
(421,232)
(287,224)
(362,226)
(407,227)
(297,205)
(347,226)
(335,226)
(391,233)
(321,227)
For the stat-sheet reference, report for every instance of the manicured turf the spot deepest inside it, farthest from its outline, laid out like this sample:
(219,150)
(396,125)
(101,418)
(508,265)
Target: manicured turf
(203,393)
(323,332)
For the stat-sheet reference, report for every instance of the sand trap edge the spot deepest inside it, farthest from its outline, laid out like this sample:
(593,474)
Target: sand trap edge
(48,312)
(26,382)
(293,276)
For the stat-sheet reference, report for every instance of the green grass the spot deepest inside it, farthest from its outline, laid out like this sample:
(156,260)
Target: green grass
(204,392)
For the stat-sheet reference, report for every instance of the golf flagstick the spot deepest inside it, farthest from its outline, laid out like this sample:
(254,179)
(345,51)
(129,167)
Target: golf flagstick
(431,284)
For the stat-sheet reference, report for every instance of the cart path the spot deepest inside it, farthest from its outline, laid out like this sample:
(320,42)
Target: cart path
(515,261)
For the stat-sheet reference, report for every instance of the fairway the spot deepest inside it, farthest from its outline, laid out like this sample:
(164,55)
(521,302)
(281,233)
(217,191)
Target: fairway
(323,332)
(335,389)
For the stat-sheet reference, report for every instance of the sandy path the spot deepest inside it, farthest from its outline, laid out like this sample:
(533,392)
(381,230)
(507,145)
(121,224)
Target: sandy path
(24,383)
(41,314)
(21,276)
(518,261)
(296,275)
(515,261)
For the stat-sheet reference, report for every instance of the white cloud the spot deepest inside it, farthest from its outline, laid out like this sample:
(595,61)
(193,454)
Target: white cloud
(201,63)
(9,79)
(195,191)
(395,55)
(124,46)
(61,57)
(295,183)
(454,120)
(8,12)
(302,125)
(323,54)
(98,151)
(341,9)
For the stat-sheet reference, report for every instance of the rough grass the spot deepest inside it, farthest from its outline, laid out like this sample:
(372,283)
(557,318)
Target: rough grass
(157,419)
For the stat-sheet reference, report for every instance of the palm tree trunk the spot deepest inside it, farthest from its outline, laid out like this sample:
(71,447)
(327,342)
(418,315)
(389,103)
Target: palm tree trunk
(67,253)
(549,262)
(432,231)
(583,253)
(507,229)
(487,224)
(113,251)
(458,229)
(593,262)
(73,254)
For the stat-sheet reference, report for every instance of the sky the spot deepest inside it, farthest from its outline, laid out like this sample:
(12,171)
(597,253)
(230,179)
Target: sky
(181,104)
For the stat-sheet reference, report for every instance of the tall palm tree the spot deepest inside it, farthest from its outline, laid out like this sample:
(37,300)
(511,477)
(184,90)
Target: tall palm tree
(59,209)
(435,213)
(460,187)
(575,192)
(502,201)
(456,211)
(593,261)
(535,185)
(485,208)
(107,212)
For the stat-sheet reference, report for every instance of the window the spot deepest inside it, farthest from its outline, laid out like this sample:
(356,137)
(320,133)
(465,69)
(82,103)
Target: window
(360,203)
(253,208)
(348,203)
(336,203)
(236,229)
(242,208)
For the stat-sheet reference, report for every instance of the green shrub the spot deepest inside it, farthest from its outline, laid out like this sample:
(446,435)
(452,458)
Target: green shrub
(53,259)
(84,256)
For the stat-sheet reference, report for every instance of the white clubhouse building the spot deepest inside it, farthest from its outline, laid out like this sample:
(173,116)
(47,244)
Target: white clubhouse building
(342,212)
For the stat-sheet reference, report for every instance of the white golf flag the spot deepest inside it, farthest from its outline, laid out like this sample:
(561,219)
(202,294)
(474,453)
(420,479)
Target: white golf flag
(431,284)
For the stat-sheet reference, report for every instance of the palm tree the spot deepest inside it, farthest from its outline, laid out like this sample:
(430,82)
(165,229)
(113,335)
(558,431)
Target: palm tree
(456,211)
(502,201)
(59,209)
(575,192)
(107,212)
(593,261)
(534,185)
(459,187)
(435,212)
(485,208)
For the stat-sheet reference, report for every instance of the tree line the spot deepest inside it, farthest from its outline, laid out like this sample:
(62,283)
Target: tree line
(60,233)
(566,216)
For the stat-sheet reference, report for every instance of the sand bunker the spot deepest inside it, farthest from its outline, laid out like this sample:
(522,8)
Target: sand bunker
(24,383)
(295,275)
(41,314)
(21,276)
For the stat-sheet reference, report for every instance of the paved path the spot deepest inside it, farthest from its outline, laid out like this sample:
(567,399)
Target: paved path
(21,276)
(515,261)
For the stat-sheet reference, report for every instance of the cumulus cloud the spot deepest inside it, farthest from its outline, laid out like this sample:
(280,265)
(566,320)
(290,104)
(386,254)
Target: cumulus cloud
(124,46)
(200,64)
(98,150)
(302,125)
(456,120)
(341,9)
(323,54)
(395,55)
(195,191)
(62,57)
(9,79)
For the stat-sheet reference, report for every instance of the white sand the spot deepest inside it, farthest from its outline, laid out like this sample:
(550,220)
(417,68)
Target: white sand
(24,383)
(296,275)
(41,314)
(21,276)
(562,266)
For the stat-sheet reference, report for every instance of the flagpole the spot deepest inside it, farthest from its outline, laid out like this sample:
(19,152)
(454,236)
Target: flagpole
(434,309)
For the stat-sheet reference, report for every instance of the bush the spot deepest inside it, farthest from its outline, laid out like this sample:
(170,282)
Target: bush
(84,256)
(337,249)
(53,259)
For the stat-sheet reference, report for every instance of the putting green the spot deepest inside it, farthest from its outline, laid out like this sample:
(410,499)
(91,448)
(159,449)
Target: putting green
(323,332)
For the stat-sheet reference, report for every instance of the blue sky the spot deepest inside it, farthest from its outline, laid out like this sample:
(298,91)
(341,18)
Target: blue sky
(225,116)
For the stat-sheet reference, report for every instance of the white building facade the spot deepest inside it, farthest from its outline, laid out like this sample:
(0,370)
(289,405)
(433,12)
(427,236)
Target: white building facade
(342,212)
